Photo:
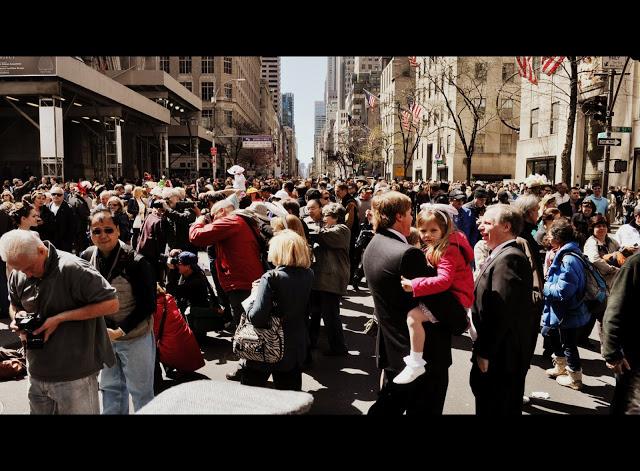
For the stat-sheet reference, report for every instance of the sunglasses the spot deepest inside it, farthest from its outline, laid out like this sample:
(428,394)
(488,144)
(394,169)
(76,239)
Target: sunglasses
(56,194)
(107,230)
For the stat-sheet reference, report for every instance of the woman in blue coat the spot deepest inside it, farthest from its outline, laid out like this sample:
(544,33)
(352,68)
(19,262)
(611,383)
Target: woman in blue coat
(564,309)
(289,284)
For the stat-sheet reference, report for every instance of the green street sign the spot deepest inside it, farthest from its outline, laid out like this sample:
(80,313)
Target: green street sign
(620,129)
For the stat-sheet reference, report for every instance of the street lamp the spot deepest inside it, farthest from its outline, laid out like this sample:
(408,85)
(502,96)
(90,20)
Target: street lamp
(214,101)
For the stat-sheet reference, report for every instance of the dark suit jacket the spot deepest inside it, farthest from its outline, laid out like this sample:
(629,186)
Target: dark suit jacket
(502,311)
(384,260)
(62,230)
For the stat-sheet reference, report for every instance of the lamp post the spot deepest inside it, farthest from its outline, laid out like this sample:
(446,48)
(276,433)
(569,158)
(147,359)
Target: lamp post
(214,101)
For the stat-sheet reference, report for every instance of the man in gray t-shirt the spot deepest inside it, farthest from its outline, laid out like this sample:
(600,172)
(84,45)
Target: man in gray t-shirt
(71,297)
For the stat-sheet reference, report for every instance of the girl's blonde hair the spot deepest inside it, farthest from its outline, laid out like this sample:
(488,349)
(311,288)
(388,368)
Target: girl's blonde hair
(289,249)
(445,224)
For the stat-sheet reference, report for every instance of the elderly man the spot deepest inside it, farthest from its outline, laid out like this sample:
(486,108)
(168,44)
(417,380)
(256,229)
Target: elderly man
(502,316)
(68,298)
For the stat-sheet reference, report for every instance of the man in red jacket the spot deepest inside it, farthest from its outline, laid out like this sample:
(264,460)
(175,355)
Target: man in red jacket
(237,251)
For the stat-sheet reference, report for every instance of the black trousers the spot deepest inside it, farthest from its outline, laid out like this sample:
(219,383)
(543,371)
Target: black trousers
(497,392)
(424,396)
(626,398)
(289,380)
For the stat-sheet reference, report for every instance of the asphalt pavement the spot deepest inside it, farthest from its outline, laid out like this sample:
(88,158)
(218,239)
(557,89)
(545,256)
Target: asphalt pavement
(348,385)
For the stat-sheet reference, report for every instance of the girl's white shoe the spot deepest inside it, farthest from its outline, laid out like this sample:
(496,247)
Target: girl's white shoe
(408,374)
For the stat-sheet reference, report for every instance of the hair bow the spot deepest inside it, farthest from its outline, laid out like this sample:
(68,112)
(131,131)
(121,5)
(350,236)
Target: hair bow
(445,210)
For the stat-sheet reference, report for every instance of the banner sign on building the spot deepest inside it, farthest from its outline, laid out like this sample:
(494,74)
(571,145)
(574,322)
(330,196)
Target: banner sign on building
(51,137)
(27,65)
(257,142)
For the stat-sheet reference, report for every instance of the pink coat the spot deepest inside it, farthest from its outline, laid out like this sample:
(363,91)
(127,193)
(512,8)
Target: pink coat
(454,273)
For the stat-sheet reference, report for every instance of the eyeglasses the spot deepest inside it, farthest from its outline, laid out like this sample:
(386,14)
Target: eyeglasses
(107,230)
(56,194)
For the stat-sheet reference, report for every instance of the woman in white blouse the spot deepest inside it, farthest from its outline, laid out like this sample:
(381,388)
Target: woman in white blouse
(137,209)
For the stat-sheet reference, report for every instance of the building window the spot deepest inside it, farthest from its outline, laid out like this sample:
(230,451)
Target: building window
(506,108)
(207,119)
(533,129)
(479,145)
(505,143)
(481,71)
(227,65)
(228,118)
(206,89)
(555,115)
(164,63)
(185,65)
(228,91)
(207,64)
(507,72)
(187,85)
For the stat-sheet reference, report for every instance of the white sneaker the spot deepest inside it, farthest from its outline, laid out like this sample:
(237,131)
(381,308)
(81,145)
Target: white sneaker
(408,374)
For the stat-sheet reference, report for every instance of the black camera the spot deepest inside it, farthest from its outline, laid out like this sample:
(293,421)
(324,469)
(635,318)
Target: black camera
(165,258)
(182,205)
(157,204)
(29,324)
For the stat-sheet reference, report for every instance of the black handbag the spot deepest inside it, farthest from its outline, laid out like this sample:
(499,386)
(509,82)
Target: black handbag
(260,344)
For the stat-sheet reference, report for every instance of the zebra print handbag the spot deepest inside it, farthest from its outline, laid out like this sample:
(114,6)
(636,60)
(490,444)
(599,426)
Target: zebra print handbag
(260,344)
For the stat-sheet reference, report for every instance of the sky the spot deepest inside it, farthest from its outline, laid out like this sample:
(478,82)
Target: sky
(304,77)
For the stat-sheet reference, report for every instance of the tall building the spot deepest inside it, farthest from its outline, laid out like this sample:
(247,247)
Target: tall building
(319,120)
(344,79)
(331,84)
(287,110)
(271,73)
(482,80)
(366,65)
(543,125)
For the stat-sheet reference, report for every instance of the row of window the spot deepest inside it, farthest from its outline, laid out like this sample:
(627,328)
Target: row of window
(207,120)
(207,90)
(185,64)
(553,122)
(506,144)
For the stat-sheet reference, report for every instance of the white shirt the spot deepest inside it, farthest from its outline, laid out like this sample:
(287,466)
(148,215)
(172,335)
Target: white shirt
(54,209)
(404,239)
(627,236)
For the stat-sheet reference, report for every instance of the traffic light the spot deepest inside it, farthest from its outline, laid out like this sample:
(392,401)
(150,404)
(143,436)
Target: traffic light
(596,107)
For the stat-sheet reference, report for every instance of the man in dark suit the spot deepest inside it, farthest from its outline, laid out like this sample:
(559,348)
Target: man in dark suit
(572,206)
(386,259)
(502,316)
(62,225)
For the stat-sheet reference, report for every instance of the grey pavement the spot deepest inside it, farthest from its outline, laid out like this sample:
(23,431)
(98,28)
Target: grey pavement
(348,385)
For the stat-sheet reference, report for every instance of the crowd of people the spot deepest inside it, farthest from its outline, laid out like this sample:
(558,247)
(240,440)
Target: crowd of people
(503,261)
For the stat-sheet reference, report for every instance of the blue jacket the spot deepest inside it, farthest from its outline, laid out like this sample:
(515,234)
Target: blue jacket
(465,222)
(564,291)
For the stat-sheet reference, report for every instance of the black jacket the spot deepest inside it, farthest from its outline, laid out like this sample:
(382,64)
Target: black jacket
(384,260)
(137,271)
(566,210)
(181,220)
(621,322)
(62,227)
(502,311)
(194,290)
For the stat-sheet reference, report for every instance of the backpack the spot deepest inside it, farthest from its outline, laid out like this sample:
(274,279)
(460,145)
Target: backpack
(595,290)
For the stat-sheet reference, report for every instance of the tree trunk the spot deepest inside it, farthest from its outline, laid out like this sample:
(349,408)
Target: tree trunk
(468,169)
(565,158)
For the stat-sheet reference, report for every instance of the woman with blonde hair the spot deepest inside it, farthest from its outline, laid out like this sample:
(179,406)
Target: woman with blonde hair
(289,222)
(283,291)
(137,210)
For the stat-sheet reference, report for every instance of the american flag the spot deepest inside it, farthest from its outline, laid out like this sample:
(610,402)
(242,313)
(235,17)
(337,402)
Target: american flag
(416,110)
(413,62)
(525,68)
(372,100)
(551,64)
(406,115)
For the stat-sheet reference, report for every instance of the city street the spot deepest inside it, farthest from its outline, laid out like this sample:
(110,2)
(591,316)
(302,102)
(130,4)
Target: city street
(348,385)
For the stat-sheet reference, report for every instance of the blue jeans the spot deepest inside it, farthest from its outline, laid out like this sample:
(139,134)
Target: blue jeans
(64,397)
(565,344)
(131,374)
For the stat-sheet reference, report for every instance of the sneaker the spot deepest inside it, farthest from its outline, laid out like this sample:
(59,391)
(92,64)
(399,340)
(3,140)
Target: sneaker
(234,375)
(409,374)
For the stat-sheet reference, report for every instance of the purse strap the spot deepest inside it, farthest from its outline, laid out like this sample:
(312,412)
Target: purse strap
(163,319)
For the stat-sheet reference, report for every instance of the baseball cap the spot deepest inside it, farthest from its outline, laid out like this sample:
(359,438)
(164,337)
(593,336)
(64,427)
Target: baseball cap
(187,258)
(281,194)
(457,195)
(251,190)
